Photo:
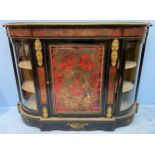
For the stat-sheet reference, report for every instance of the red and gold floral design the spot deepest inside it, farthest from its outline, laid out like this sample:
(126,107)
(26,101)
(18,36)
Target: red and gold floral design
(77,78)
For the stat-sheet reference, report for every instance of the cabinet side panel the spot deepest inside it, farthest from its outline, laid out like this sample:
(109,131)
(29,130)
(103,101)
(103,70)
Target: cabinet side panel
(111,85)
(41,71)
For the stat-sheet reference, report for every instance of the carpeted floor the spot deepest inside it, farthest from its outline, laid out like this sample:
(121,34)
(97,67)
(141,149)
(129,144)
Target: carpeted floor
(144,122)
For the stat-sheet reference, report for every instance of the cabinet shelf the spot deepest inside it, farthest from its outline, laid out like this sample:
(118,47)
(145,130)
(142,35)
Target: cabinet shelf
(125,105)
(127,86)
(130,64)
(25,65)
(31,103)
(28,86)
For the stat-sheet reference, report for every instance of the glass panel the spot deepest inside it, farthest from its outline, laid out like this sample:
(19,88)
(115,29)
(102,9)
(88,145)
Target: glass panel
(26,76)
(77,78)
(129,73)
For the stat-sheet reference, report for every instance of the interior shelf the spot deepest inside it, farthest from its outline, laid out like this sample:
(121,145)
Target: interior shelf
(127,86)
(28,86)
(130,64)
(31,103)
(124,105)
(25,65)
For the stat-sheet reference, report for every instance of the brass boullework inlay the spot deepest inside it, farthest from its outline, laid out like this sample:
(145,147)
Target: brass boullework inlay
(77,125)
(77,78)
(109,111)
(114,53)
(39,55)
(45,112)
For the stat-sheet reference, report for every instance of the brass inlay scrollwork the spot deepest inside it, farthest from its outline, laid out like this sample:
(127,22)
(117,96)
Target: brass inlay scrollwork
(77,125)
(39,55)
(114,53)
(45,112)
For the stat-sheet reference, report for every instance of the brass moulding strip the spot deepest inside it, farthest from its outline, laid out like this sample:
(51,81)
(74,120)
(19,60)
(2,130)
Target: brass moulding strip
(78,119)
(132,112)
(77,23)
(20,109)
(73,118)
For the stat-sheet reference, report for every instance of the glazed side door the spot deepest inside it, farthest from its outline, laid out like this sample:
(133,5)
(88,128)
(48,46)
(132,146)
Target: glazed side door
(25,66)
(128,77)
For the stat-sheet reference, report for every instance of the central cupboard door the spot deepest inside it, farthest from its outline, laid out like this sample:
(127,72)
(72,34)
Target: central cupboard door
(77,73)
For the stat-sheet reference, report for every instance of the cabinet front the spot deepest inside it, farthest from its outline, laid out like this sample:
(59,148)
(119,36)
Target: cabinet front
(77,75)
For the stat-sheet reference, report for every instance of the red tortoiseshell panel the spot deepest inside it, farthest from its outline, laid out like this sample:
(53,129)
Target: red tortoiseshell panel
(77,78)
(111,85)
(134,32)
(76,32)
(42,85)
(20,32)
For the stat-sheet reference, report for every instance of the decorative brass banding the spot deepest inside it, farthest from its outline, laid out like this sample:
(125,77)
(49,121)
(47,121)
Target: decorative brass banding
(114,53)
(45,112)
(77,125)
(77,23)
(39,55)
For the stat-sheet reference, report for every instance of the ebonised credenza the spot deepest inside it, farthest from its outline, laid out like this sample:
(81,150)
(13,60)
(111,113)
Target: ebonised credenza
(77,76)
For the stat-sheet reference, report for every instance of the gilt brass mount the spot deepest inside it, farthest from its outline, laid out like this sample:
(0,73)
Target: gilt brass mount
(114,53)
(39,55)
(77,125)
(45,112)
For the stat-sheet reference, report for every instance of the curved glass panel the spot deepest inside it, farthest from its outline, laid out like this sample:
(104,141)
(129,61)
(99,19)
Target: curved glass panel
(23,54)
(131,54)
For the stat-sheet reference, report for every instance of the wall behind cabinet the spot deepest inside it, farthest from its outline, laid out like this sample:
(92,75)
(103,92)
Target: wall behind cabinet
(8,90)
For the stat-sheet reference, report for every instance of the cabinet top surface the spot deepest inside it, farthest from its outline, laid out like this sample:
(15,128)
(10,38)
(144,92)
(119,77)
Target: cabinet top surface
(78,24)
